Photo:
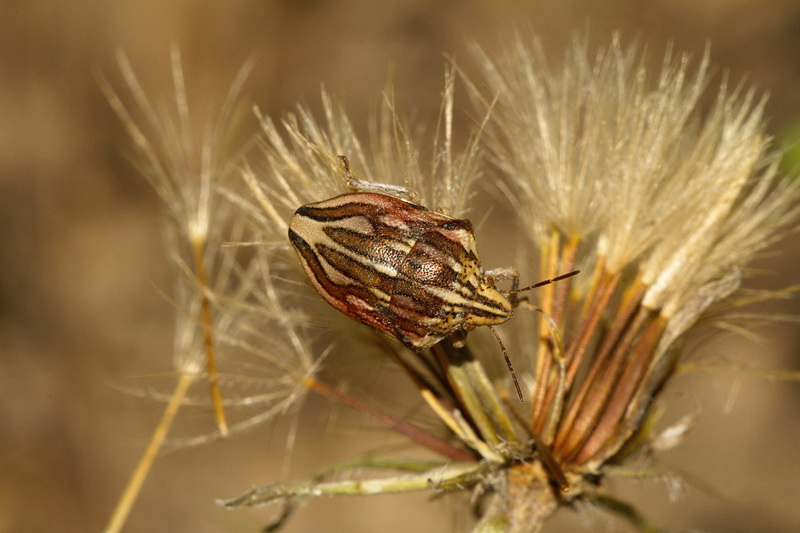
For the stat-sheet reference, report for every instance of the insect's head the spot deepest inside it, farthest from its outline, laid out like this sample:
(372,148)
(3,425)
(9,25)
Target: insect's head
(491,307)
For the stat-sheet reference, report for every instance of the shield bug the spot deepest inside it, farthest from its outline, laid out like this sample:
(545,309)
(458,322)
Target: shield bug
(405,270)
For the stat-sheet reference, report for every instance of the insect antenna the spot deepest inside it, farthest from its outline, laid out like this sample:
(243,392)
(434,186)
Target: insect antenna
(545,282)
(503,346)
(508,362)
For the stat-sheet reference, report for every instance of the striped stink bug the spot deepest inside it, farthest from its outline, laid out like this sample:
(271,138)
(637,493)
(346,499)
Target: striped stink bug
(405,270)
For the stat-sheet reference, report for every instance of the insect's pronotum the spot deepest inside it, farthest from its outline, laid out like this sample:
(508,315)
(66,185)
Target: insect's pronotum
(405,270)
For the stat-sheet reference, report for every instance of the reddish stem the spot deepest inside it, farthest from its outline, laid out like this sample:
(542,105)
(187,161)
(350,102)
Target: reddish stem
(413,432)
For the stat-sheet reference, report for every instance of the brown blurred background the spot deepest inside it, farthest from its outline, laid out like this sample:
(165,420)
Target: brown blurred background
(81,255)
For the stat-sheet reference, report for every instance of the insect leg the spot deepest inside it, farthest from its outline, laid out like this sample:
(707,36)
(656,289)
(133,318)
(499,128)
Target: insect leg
(358,185)
(508,363)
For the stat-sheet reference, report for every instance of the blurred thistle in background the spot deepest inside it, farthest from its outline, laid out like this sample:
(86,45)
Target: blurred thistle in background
(606,167)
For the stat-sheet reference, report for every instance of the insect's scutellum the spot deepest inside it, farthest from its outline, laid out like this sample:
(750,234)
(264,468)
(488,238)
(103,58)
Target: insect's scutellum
(405,270)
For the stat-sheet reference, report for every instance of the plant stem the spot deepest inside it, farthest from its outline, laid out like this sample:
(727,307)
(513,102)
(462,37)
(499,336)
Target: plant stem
(139,475)
(208,335)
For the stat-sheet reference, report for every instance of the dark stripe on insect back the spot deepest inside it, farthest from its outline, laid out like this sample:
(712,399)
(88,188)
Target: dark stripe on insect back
(356,205)
(428,265)
(375,249)
(326,214)
(422,319)
(313,266)
(459,223)
(431,260)
(310,258)
(415,319)
(409,298)
(337,295)
(361,273)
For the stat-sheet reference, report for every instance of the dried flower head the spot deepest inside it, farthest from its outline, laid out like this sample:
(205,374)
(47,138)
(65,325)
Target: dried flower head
(232,334)
(226,301)
(607,168)
(620,172)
